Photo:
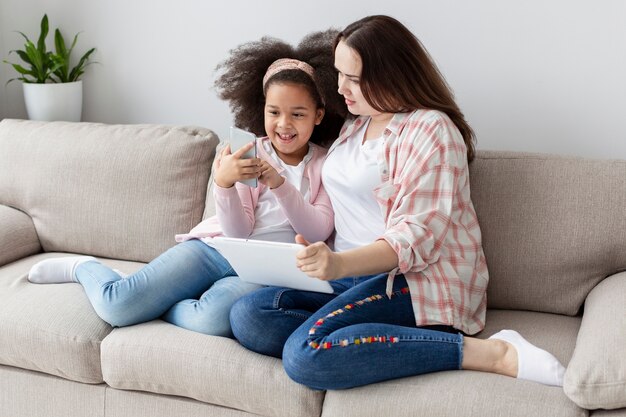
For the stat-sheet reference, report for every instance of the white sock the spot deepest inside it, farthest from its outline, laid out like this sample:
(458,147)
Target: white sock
(56,270)
(533,363)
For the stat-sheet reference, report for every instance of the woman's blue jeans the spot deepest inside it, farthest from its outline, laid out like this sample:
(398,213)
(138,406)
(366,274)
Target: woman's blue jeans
(190,285)
(354,337)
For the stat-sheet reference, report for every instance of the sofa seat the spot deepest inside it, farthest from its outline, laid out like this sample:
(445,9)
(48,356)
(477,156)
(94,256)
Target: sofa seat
(64,337)
(50,328)
(468,393)
(161,358)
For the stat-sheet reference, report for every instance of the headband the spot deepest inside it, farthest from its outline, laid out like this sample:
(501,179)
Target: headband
(287,64)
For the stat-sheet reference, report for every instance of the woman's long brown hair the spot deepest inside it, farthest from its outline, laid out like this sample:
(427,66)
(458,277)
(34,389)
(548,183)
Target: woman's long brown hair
(398,75)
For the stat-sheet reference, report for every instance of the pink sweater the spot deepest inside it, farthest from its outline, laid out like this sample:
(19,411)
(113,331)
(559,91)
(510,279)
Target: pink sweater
(235,206)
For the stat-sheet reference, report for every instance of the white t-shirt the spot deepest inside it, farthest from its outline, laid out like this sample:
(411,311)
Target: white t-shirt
(270,221)
(350,175)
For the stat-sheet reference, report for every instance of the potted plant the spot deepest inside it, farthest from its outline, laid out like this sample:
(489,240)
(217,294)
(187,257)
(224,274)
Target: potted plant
(52,88)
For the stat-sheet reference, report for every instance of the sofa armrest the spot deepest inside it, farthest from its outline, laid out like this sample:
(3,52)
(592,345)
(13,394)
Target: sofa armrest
(18,237)
(596,374)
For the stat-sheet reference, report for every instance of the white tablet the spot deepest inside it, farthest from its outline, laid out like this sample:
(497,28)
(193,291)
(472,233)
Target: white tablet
(268,263)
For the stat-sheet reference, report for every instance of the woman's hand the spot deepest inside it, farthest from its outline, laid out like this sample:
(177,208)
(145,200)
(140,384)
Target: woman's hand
(230,168)
(269,176)
(318,261)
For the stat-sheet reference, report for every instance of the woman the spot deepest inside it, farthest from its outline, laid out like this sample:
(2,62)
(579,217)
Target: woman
(408,269)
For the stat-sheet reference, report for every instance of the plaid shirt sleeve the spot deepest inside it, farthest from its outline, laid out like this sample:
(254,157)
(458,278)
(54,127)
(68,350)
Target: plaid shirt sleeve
(426,163)
(431,223)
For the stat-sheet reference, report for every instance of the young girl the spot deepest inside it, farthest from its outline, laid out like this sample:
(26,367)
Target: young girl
(408,244)
(290,93)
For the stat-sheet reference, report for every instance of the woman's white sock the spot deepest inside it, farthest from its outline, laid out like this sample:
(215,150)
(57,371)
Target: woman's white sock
(533,363)
(56,270)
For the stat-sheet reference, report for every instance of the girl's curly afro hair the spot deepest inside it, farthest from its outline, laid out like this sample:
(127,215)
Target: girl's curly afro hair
(241,81)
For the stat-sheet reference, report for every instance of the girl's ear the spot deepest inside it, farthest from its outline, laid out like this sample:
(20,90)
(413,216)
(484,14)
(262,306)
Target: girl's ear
(319,115)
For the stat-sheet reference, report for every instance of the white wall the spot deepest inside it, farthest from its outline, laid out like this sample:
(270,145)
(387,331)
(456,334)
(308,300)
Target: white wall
(3,67)
(534,75)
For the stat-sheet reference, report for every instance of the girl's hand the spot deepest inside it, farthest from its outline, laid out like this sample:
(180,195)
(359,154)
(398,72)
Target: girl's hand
(269,176)
(318,261)
(230,168)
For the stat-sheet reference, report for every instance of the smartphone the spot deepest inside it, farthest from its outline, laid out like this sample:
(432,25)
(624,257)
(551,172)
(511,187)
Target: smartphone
(239,138)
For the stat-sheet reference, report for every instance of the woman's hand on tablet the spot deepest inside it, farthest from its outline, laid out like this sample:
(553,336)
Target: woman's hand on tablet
(318,261)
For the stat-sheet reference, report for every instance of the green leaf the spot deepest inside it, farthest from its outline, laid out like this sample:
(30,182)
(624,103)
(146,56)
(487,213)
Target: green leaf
(59,43)
(41,43)
(78,70)
(22,55)
(25,37)
(86,56)
(59,67)
(74,42)
(57,62)
(36,58)
(61,58)
(23,79)
(21,69)
(33,55)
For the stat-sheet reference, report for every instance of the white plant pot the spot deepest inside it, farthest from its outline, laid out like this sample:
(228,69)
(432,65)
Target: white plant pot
(56,101)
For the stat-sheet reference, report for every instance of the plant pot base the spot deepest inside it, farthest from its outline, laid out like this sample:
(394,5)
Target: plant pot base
(50,102)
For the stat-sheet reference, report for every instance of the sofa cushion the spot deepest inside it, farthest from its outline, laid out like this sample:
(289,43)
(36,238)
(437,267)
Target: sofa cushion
(553,332)
(18,237)
(161,358)
(596,376)
(116,191)
(553,227)
(209,206)
(122,403)
(33,394)
(50,328)
(469,393)
(451,393)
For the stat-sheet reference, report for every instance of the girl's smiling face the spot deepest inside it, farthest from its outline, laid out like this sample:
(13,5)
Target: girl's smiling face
(290,117)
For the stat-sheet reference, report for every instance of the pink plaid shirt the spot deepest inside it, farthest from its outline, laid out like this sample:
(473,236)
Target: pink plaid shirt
(429,218)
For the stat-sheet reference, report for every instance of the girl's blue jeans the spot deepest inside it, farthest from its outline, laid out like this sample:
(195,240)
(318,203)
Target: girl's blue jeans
(190,285)
(354,337)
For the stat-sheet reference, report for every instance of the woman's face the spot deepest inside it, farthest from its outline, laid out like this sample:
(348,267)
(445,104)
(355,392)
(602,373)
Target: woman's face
(349,66)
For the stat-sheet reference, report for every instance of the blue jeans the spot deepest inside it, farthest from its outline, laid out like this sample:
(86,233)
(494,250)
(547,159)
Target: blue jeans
(190,285)
(356,337)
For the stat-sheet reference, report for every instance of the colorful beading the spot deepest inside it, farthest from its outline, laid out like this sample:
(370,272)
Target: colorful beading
(357,341)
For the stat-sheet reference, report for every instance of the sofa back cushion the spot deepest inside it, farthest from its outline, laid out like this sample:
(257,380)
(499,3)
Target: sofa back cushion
(553,227)
(115,191)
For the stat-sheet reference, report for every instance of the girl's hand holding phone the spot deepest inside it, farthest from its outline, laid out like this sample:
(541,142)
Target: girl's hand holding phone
(269,176)
(230,167)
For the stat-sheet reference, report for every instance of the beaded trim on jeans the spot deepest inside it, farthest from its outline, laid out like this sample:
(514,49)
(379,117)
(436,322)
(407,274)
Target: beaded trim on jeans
(357,341)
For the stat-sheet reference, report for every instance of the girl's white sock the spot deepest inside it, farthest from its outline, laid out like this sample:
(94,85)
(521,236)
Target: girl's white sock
(533,363)
(56,270)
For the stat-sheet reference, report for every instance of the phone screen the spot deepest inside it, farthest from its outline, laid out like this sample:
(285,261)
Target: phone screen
(239,138)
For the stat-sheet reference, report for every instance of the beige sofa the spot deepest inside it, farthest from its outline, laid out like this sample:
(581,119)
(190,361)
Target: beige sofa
(554,235)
